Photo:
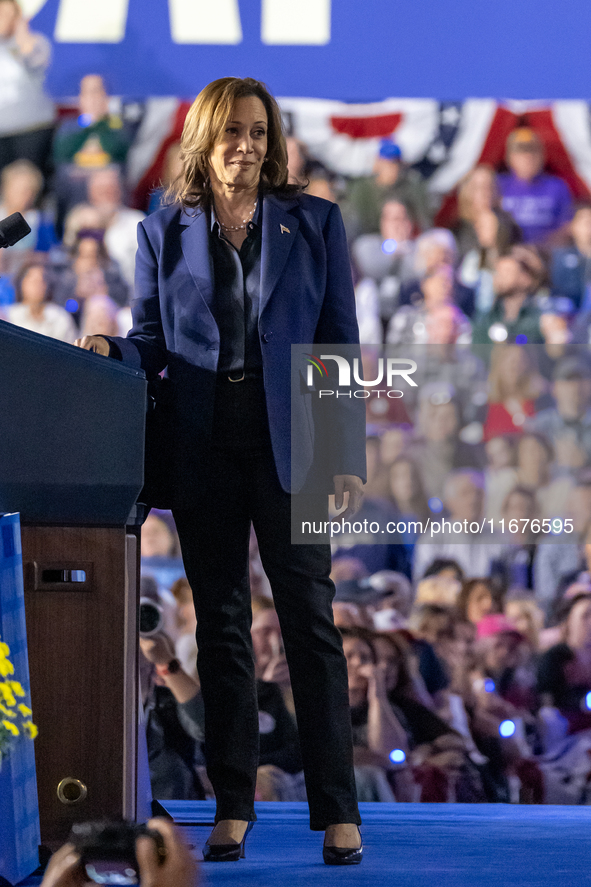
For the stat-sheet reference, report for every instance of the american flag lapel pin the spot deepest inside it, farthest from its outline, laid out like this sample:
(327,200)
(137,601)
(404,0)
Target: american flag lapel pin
(284,230)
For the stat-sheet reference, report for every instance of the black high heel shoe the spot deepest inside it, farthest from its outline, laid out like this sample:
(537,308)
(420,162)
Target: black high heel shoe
(226,852)
(343,855)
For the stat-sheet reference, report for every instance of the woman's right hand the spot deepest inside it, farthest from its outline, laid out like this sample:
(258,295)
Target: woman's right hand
(98,344)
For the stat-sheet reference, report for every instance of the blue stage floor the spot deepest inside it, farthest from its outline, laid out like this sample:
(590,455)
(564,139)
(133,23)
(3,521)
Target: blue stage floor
(408,845)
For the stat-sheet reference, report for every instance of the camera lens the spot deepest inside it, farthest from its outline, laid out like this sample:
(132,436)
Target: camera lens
(151,621)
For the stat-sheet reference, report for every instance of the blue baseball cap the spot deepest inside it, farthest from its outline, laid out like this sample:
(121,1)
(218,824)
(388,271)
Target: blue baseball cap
(389,150)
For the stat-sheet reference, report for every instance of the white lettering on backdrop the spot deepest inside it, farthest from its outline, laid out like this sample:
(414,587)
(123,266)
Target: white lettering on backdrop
(306,23)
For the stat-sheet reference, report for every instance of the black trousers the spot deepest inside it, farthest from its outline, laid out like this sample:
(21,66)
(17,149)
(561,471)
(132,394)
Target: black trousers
(242,487)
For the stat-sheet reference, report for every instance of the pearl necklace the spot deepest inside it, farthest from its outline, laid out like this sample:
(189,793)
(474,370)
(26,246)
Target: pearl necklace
(244,221)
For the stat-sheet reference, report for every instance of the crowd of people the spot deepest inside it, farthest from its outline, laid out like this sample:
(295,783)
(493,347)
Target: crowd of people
(469,654)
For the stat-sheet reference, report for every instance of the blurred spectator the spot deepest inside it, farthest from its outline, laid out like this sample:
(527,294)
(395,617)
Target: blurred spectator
(571,265)
(376,729)
(407,493)
(172,169)
(514,316)
(434,248)
(522,610)
(391,180)
(568,425)
(269,654)
(88,271)
(159,537)
(438,450)
(99,317)
(564,671)
(321,184)
(26,111)
(500,475)
(463,498)
(541,204)
(478,195)
(185,645)
(504,655)
(384,261)
(476,600)
(514,386)
(433,319)
(173,719)
(556,327)
(93,140)
(495,234)
(105,193)
(22,184)
(34,309)
(536,472)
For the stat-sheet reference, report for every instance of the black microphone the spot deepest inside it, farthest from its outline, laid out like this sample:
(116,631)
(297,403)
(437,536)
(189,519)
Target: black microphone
(12,229)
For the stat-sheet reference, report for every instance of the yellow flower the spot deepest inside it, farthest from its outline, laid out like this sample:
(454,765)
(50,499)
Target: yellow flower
(4,650)
(7,694)
(7,712)
(6,667)
(16,688)
(31,729)
(24,710)
(12,728)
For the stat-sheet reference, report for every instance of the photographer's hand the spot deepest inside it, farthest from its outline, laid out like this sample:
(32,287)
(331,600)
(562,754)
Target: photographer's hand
(179,868)
(64,869)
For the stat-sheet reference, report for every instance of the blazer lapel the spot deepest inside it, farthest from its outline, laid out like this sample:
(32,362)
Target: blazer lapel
(195,246)
(279,232)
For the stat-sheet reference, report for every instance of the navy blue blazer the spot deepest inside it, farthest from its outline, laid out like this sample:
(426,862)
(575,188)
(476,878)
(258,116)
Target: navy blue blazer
(306,298)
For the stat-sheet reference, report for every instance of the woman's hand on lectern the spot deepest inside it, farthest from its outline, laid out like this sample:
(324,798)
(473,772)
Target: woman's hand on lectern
(98,344)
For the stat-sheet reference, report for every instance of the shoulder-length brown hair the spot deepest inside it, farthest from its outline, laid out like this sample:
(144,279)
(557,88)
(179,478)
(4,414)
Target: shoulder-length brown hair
(204,125)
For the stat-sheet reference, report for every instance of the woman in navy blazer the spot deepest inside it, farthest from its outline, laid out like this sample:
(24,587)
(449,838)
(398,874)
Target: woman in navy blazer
(238,268)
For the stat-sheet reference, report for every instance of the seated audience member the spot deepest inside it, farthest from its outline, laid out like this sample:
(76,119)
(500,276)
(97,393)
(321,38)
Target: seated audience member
(105,194)
(93,140)
(438,449)
(176,869)
(88,271)
(521,609)
(536,472)
(34,309)
(173,712)
(514,387)
(564,671)
(463,499)
(568,425)
(477,599)
(185,646)
(514,563)
(384,261)
(26,111)
(96,138)
(478,195)
(394,595)
(171,170)
(540,203)
(556,326)
(270,663)
(500,474)
(21,183)
(393,441)
(376,729)
(159,536)
(435,319)
(391,180)
(571,265)
(514,316)
(99,317)
(434,248)
(503,656)
(496,234)
(407,493)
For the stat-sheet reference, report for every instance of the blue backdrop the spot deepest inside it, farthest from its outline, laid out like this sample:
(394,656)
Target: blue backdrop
(366,49)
